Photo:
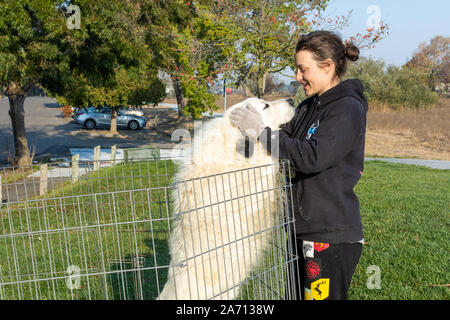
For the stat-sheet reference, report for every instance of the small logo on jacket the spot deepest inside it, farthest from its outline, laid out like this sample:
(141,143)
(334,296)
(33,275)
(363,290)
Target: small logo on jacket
(312,129)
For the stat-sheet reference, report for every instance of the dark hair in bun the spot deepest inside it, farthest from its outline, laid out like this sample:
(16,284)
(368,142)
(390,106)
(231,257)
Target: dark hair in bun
(351,51)
(328,45)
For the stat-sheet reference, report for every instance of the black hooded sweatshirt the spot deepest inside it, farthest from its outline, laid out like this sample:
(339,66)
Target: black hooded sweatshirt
(324,144)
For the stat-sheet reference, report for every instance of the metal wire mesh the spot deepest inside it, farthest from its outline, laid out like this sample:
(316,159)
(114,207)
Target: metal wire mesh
(107,234)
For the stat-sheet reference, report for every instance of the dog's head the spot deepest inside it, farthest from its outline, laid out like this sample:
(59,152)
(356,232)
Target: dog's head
(218,144)
(273,113)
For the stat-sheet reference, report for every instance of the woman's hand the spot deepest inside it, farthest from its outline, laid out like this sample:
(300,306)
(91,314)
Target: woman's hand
(248,120)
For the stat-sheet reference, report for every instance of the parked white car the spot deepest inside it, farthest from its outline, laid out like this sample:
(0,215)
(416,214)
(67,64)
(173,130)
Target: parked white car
(93,117)
(132,111)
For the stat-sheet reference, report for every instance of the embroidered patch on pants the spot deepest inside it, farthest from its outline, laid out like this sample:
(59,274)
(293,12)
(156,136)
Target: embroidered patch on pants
(308,249)
(320,289)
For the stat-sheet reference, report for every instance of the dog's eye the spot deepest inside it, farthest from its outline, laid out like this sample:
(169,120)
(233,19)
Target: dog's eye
(291,102)
(266,106)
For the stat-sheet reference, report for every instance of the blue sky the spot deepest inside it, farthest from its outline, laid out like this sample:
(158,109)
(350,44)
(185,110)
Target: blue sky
(410,23)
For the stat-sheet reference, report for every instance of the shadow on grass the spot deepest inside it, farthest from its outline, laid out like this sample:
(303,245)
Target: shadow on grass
(141,277)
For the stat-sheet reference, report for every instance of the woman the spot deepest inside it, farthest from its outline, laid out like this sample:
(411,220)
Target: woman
(324,143)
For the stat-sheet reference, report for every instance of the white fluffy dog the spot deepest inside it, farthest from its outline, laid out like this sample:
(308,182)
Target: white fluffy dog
(224,206)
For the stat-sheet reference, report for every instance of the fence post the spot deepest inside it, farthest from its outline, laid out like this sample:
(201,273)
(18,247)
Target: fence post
(125,155)
(43,182)
(75,167)
(96,158)
(113,154)
(1,191)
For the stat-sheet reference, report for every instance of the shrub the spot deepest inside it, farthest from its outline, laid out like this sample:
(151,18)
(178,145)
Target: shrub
(395,86)
(199,99)
(408,88)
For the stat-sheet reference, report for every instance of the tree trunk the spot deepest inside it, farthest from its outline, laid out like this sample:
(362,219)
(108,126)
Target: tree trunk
(179,95)
(113,125)
(246,89)
(261,84)
(17,114)
(266,74)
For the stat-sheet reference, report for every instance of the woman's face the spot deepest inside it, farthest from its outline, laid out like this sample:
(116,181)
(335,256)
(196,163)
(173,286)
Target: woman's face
(315,78)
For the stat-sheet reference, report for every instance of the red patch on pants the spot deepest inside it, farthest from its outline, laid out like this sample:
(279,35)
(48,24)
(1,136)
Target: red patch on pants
(312,269)
(319,246)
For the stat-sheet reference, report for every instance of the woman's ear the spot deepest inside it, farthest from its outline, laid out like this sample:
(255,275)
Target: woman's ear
(329,65)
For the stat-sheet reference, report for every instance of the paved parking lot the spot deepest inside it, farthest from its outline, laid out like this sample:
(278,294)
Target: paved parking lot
(49,133)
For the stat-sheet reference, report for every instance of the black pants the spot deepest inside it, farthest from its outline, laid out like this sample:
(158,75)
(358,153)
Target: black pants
(325,269)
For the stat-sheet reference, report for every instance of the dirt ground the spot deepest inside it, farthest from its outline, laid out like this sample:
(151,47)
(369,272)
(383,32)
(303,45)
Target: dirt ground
(396,144)
(421,134)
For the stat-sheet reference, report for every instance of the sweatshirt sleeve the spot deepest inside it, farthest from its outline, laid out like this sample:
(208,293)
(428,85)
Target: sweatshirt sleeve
(332,141)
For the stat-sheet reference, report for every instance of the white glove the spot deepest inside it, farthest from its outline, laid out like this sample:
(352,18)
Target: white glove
(248,120)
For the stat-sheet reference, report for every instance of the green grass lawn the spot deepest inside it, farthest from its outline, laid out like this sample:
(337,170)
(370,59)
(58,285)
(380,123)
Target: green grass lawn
(108,224)
(102,227)
(17,174)
(405,212)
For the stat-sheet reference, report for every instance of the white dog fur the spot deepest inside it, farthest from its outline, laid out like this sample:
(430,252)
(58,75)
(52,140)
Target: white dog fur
(216,241)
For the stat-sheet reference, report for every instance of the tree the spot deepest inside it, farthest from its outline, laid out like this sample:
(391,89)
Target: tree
(243,40)
(29,51)
(434,60)
(102,63)
(182,37)
(107,62)
(273,84)
(266,32)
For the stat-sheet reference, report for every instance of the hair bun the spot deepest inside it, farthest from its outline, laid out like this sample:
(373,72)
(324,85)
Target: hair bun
(351,51)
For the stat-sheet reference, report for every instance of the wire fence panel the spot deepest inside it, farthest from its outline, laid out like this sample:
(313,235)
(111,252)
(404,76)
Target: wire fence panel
(129,231)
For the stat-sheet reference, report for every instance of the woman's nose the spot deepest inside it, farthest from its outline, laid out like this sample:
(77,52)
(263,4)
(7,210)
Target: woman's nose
(299,76)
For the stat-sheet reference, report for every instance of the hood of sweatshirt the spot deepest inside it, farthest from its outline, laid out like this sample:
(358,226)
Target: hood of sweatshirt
(350,87)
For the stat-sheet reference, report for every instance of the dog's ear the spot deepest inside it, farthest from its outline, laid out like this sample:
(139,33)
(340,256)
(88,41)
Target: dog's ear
(245,147)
